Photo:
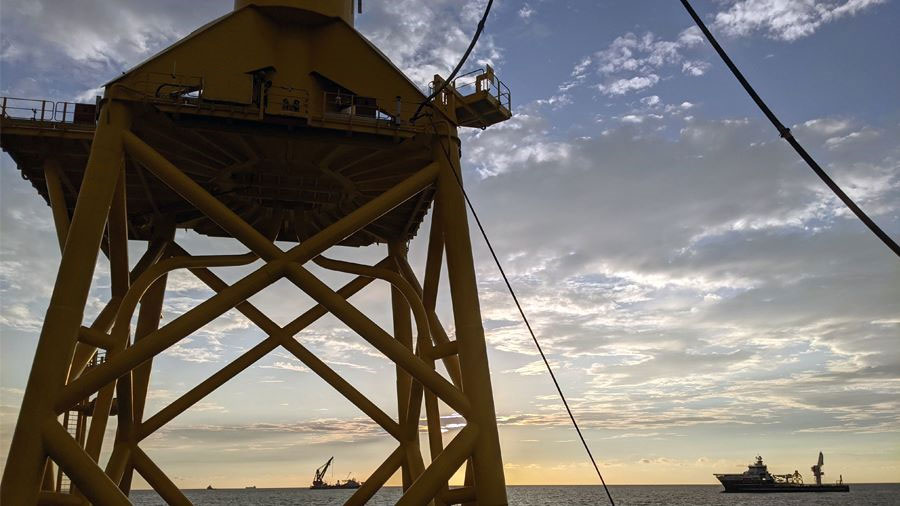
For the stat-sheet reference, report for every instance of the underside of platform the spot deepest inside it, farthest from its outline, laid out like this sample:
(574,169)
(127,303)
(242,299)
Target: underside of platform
(297,180)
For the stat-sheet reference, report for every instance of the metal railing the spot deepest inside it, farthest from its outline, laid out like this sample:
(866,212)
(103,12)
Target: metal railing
(365,110)
(46,111)
(484,80)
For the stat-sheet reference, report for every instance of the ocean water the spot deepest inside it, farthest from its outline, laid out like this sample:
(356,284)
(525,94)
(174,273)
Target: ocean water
(624,495)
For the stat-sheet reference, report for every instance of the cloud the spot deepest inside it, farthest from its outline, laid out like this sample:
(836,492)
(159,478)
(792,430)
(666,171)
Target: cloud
(93,41)
(634,62)
(535,368)
(640,58)
(841,141)
(632,53)
(686,273)
(405,31)
(785,19)
(526,12)
(623,86)
(20,317)
(214,334)
(695,67)
(264,436)
(650,101)
(198,354)
(825,126)
(517,142)
(295,366)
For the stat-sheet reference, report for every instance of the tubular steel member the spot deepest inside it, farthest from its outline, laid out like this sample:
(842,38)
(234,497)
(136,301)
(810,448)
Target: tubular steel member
(260,137)
(25,463)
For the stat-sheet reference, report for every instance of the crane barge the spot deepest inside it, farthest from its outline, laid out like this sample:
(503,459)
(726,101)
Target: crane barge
(320,483)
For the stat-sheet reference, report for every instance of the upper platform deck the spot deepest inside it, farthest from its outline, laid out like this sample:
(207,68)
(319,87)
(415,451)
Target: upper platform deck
(276,171)
(292,119)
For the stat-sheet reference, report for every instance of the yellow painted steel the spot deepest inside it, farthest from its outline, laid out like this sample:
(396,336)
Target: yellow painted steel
(57,198)
(334,8)
(255,127)
(158,480)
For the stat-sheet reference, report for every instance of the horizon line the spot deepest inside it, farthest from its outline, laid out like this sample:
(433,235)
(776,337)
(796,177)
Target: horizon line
(532,485)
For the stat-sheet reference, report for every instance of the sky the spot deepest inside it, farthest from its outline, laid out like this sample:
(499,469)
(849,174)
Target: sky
(703,297)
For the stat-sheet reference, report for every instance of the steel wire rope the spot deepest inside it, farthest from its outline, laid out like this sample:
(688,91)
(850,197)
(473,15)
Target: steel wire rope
(785,134)
(459,65)
(512,293)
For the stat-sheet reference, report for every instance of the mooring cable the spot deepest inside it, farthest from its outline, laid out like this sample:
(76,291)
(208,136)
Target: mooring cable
(534,338)
(785,134)
(459,65)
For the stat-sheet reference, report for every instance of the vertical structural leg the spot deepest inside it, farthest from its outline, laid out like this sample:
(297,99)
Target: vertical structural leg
(402,333)
(148,321)
(117,233)
(117,240)
(490,485)
(57,197)
(21,482)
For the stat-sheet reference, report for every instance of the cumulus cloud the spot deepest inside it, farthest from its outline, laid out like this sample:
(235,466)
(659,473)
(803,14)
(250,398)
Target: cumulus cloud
(92,41)
(634,62)
(695,68)
(785,19)
(512,144)
(623,86)
(405,31)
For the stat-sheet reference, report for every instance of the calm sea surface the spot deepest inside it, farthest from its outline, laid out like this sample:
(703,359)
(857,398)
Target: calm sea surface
(624,495)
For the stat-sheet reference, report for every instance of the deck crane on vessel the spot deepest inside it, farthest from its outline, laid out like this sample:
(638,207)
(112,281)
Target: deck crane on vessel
(319,480)
(817,469)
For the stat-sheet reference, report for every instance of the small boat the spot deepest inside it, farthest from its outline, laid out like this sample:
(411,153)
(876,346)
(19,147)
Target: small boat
(209,487)
(251,487)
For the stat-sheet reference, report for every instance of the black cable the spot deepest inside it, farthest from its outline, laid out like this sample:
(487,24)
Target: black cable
(524,318)
(459,65)
(786,135)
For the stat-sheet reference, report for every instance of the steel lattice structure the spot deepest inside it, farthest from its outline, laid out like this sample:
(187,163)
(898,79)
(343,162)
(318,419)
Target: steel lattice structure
(278,121)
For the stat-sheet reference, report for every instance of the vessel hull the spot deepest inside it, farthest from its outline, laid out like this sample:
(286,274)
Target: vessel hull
(769,488)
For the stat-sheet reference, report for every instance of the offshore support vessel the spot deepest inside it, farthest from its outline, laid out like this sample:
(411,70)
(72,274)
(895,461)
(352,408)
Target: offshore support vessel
(758,479)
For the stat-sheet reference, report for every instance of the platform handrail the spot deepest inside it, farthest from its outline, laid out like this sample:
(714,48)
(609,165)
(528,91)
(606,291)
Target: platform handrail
(381,111)
(40,110)
(484,80)
(64,112)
